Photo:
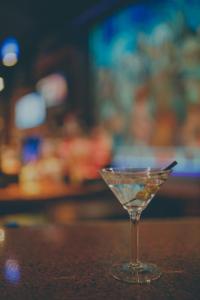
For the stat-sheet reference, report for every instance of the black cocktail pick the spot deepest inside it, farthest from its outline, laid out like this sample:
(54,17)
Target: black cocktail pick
(173,164)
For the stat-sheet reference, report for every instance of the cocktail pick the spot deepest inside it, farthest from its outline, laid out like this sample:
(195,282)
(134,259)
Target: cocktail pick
(173,164)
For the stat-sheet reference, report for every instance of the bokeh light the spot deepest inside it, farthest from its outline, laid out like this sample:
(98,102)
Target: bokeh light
(12,271)
(9,52)
(30,111)
(2,235)
(1,84)
(53,88)
(10,59)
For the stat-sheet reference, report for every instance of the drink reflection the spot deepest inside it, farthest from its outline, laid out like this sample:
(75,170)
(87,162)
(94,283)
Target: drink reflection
(12,272)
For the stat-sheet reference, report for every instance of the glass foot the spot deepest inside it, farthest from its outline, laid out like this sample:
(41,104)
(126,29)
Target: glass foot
(142,273)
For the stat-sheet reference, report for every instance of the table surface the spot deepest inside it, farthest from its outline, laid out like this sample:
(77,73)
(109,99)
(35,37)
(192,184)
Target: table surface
(73,261)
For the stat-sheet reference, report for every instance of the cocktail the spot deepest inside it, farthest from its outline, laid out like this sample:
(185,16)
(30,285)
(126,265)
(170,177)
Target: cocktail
(135,188)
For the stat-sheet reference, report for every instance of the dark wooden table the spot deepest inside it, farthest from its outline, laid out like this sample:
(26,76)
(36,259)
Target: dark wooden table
(73,261)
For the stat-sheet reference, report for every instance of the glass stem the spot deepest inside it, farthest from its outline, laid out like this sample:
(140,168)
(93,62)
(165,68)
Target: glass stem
(134,238)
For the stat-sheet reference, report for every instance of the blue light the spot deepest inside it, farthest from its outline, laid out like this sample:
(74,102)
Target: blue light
(30,111)
(12,271)
(10,45)
(141,13)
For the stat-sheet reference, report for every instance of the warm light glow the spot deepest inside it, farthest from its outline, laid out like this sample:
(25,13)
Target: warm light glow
(28,179)
(30,188)
(10,161)
(2,235)
(10,59)
(1,84)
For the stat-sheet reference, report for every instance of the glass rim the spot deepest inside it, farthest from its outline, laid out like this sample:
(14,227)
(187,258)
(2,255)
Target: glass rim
(135,171)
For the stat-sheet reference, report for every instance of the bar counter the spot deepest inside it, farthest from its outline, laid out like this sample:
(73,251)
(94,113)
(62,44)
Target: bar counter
(72,261)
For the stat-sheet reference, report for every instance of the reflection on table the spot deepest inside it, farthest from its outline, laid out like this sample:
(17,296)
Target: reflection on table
(76,264)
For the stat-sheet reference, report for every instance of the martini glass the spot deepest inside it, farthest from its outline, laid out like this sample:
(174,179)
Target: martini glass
(135,188)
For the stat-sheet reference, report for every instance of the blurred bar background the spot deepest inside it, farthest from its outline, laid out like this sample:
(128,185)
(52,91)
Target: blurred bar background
(89,84)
